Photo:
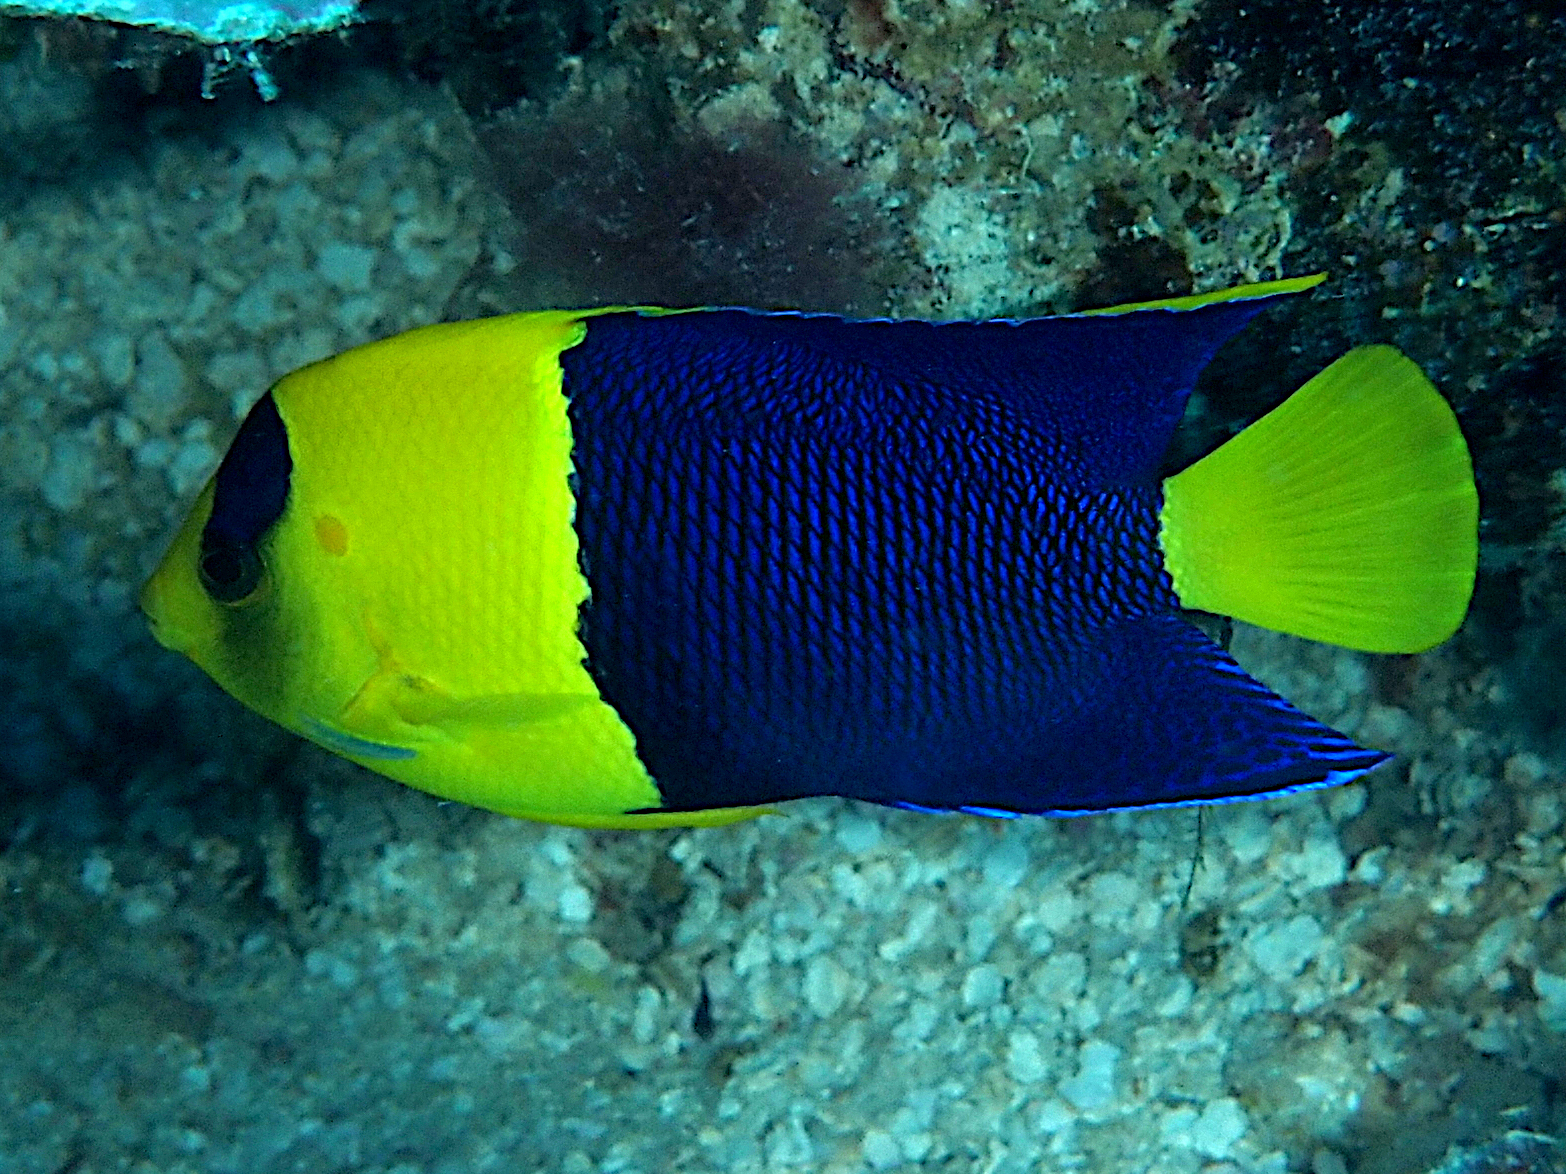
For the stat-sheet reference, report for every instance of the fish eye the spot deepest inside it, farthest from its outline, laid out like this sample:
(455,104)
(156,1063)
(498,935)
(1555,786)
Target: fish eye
(230,573)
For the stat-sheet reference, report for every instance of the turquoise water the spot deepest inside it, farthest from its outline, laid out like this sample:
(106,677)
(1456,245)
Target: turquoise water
(223,950)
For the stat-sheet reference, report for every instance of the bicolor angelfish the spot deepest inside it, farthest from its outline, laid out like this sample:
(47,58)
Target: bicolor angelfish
(632,567)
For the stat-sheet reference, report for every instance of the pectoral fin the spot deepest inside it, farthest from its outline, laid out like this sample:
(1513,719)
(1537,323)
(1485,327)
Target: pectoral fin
(350,745)
(424,706)
(393,712)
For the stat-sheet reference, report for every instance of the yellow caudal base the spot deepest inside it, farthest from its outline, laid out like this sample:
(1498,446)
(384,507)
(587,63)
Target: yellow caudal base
(1347,515)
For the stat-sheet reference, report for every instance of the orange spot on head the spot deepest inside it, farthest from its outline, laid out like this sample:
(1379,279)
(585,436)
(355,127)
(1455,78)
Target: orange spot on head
(332,535)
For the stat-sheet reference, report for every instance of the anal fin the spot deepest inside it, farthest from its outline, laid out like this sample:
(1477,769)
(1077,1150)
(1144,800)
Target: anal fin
(1169,719)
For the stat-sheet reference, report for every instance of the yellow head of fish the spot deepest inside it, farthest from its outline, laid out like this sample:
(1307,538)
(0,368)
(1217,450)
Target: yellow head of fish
(336,578)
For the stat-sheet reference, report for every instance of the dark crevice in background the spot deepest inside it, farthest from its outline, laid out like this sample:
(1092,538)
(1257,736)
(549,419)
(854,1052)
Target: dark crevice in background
(1466,103)
(492,53)
(618,200)
(1438,213)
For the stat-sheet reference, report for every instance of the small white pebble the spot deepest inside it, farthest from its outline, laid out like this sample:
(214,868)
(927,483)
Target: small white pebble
(919,1023)
(1524,770)
(980,937)
(469,1012)
(127,433)
(588,954)
(1495,943)
(141,908)
(1319,864)
(155,453)
(193,460)
(914,1117)
(1464,875)
(920,922)
(499,1035)
(787,1144)
(237,371)
(1352,674)
(1060,977)
(97,873)
(556,850)
(72,472)
(1007,862)
(346,267)
(644,1018)
(1112,898)
(1221,1124)
(321,963)
(849,884)
(268,155)
(983,986)
(1093,1087)
(356,314)
(1057,908)
(880,1150)
(1054,1115)
(916,1146)
(159,393)
(1385,725)
(1281,950)
(1025,1061)
(1247,831)
(1551,989)
(299,347)
(196,1078)
(1541,811)
(1176,1126)
(826,986)
(1178,1000)
(1344,803)
(1370,868)
(116,358)
(576,903)
(754,951)
(421,263)
(858,835)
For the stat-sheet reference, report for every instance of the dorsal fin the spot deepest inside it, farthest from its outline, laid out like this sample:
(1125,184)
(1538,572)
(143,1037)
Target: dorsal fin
(1108,386)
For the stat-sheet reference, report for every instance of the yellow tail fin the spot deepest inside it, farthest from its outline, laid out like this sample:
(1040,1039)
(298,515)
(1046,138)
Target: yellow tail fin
(1347,514)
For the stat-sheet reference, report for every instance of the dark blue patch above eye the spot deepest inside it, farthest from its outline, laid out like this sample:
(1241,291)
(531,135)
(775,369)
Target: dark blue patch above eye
(251,487)
(249,493)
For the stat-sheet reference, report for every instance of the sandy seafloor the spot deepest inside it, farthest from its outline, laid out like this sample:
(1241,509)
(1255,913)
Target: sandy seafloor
(222,950)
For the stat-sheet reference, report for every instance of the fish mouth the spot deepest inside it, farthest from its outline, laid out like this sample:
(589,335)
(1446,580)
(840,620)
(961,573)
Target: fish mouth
(171,636)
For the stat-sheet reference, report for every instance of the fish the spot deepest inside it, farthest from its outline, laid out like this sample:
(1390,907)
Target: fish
(644,567)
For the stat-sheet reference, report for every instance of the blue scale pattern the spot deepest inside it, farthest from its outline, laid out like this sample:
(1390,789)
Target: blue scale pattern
(903,562)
